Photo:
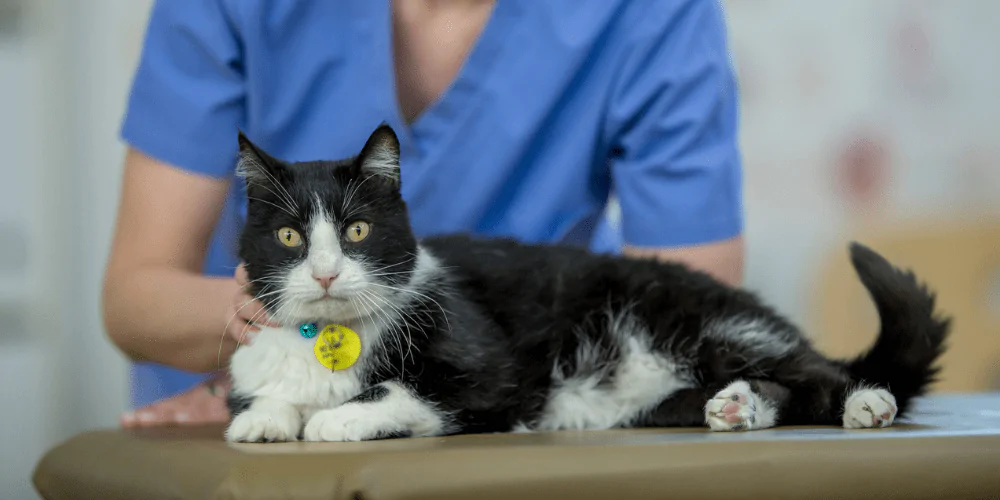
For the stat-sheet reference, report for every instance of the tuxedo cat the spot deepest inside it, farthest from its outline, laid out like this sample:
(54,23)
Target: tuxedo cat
(387,336)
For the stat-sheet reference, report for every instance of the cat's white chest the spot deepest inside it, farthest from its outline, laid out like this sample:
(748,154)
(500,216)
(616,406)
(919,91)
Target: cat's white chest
(281,364)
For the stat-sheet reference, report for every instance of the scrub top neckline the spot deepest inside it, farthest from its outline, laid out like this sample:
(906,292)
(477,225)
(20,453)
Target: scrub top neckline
(443,116)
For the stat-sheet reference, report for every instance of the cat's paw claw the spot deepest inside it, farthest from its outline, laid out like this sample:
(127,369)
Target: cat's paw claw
(869,408)
(732,409)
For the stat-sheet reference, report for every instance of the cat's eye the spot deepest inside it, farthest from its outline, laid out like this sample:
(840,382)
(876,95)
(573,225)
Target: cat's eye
(358,231)
(289,237)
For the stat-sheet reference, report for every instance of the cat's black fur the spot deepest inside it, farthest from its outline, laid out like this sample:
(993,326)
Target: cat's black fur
(492,328)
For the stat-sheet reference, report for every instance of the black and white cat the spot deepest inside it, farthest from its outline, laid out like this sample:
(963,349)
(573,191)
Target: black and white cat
(457,335)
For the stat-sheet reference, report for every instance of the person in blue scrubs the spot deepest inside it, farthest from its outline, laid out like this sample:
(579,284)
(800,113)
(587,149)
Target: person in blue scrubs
(516,118)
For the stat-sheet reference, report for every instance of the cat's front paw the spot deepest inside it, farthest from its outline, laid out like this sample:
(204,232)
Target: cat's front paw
(350,422)
(260,426)
(869,408)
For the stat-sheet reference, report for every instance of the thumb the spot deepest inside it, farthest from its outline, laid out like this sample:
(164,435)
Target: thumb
(242,278)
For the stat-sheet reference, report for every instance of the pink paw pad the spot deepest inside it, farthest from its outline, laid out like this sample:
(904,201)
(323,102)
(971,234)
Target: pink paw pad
(731,410)
(878,419)
(869,409)
(735,411)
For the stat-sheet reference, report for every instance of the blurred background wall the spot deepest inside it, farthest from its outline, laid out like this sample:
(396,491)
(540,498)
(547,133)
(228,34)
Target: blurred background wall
(860,119)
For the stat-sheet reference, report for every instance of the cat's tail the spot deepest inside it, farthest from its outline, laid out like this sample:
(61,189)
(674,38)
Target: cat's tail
(912,335)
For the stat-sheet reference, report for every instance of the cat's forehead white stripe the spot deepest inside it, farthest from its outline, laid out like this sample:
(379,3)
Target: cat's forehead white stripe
(325,254)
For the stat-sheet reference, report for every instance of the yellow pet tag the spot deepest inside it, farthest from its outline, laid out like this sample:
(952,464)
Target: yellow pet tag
(337,347)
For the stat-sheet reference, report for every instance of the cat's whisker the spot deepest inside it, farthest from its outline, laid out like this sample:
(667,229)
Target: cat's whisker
(236,313)
(373,314)
(264,310)
(400,263)
(345,199)
(439,265)
(283,209)
(352,189)
(383,275)
(444,311)
(246,329)
(382,352)
(403,319)
(295,312)
(392,325)
(361,318)
(392,333)
(383,272)
(285,196)
(356,209)
(280,314)
(289,204)
(357,187)
(268,279)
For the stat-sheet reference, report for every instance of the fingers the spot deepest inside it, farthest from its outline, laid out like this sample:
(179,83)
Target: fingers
(241,332)
(252,311)
(247,322)
(129,420)
(238,329)
(242,278)
(195,407)
(246,306)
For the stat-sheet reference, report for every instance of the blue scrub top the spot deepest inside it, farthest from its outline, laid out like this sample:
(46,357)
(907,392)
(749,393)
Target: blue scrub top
(559,104)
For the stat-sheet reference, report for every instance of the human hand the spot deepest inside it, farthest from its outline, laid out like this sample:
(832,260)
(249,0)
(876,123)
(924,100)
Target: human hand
(204,404)
(245,313)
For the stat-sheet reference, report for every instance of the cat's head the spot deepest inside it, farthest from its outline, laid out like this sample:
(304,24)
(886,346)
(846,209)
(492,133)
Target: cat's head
(326,240)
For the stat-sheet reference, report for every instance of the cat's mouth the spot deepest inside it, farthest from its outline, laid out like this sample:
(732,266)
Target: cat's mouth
(327,297)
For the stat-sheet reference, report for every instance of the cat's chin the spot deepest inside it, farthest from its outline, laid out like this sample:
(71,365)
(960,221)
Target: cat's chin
(331,309)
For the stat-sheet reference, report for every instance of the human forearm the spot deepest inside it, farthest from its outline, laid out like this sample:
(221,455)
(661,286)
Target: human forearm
(157,306)
(169,316)
(723,260)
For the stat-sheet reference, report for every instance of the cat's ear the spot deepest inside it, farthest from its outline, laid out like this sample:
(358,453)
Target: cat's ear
(380,156)
(257,167)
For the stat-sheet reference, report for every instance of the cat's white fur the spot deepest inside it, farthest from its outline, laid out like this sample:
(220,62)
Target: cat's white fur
(754,412)
(638,382)
(279,368)
(301,295)
(869,407)
(758,338)
(383,160)
(293,393)
(399,411)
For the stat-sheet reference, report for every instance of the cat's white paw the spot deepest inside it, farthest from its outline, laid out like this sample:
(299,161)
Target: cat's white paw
(738,408)
(350,422)
(869,408)
(272,425)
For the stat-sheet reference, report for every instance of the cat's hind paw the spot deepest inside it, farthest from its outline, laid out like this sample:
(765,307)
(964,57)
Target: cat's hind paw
(869,408)
(738,408)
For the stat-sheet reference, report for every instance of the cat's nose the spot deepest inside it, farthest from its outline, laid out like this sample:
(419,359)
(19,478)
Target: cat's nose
(324,280)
